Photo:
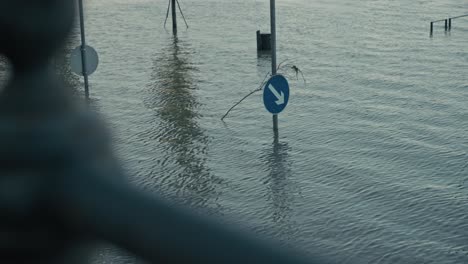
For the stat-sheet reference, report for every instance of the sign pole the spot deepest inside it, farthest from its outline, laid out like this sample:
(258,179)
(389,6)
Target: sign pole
(174,17)
(276,98)
(273,55)
(83,49)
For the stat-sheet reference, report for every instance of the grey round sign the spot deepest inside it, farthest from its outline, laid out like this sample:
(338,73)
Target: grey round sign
(92,60)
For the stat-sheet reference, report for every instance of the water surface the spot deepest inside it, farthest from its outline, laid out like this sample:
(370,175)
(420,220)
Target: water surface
(372,158)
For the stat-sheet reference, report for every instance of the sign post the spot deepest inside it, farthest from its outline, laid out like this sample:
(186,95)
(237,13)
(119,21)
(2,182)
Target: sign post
(174,17)
(84,59)
(83,49)
(273,55)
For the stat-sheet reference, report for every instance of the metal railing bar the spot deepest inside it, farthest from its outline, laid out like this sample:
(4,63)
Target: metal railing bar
(159,232)
(459,16)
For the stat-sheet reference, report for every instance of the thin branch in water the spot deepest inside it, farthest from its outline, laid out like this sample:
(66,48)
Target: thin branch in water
(182,13)
(279,65)
(245,97)
(236,104)
(167,13)
(293,67)
(297,70)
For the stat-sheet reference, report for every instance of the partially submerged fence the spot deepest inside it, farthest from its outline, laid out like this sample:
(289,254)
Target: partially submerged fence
(447,21)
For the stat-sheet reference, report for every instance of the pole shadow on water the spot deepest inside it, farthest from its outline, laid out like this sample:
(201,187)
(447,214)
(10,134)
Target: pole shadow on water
(175,131)
(281,190)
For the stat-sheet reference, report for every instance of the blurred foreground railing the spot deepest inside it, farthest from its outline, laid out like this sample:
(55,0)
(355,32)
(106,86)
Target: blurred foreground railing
(61,187)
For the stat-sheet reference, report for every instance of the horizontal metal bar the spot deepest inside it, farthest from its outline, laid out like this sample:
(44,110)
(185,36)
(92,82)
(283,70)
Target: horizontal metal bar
(158,231)
(459,16)
(442,20)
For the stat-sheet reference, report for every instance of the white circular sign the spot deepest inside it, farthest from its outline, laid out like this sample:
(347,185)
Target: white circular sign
(92,60)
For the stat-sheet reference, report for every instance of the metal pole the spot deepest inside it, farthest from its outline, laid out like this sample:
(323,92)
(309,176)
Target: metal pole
(174,17)
(273,55)
(273,36)
(275,126)
(83,49)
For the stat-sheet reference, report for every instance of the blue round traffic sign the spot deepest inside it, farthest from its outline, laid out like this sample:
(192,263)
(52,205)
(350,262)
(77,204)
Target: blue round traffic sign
(276,94)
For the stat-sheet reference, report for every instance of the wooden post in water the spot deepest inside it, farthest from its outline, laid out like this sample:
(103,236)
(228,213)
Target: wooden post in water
(174,17)
(432,28)
(450,24)
(273,56)
(446,24)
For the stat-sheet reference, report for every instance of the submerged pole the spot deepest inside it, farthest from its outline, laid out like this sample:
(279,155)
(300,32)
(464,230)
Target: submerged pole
(83,49)
(273,55)
(174,17)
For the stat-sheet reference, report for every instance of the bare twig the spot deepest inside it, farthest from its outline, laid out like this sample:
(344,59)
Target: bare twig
(289,66)
(182,13)
(167,13)
(236,104)
(260,87)
(297,70)
(279,65)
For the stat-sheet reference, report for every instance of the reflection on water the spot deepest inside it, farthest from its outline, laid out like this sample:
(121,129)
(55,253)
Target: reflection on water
(182,142)
(281,190)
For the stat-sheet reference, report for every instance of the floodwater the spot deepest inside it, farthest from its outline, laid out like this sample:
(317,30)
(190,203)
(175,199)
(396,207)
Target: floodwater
(372,160)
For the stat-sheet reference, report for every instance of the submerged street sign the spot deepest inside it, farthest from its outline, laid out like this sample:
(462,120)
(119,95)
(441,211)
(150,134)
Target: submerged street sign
(276,94)
(92,60)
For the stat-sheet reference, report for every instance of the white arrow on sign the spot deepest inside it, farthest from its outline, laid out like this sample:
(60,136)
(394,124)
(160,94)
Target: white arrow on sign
(279,95)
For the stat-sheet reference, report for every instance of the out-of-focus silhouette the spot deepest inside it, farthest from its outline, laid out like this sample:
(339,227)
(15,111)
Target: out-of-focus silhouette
(61,187)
